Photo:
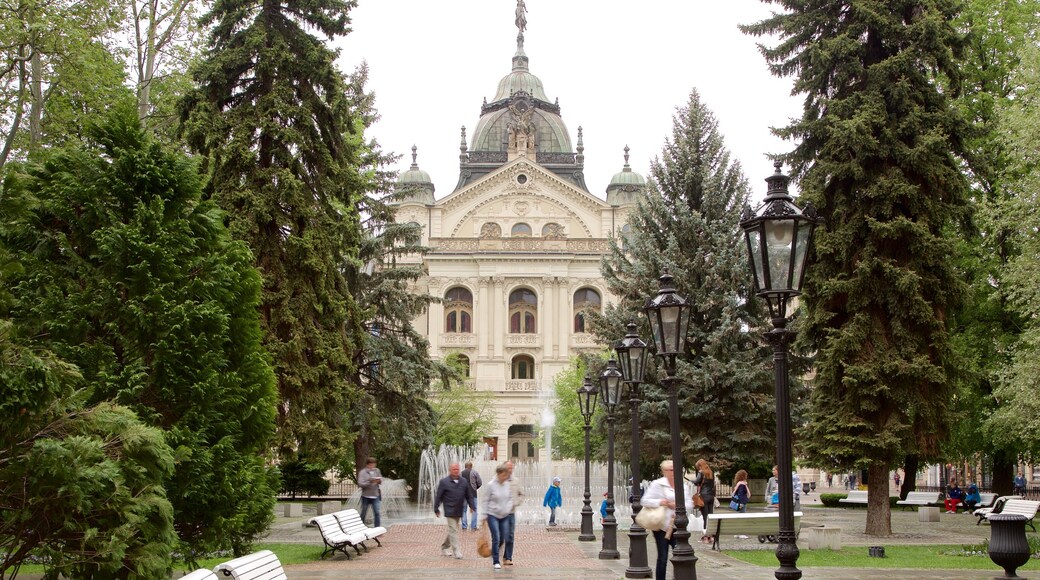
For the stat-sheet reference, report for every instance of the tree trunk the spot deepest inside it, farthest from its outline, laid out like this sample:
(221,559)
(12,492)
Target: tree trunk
(879,513)
(362,449)
(9,142)
(911,463)
(36,103)
(1003,472)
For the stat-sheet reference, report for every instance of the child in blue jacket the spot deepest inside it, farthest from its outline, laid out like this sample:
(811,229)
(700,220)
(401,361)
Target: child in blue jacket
(553,499)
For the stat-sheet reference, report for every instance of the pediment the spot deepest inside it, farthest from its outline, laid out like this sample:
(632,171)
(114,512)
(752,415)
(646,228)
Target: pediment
(518,189)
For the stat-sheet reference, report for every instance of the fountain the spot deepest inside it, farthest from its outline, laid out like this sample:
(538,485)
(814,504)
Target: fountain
(534,477)
(394,494)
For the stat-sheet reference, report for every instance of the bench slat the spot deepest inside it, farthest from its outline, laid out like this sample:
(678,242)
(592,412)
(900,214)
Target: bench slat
(263,565)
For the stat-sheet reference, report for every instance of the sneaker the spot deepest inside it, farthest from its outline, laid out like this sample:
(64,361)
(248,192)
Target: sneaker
(458,555)
(507,562)
(553,524)
(497,566)
(446,551)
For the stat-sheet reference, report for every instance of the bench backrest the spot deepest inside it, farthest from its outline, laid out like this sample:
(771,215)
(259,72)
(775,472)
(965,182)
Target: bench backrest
(262,565)
(1024,507)
(923,496)
(987,499)
(350,522)
(748,523)
(330,530)
(200,575)
(857,495)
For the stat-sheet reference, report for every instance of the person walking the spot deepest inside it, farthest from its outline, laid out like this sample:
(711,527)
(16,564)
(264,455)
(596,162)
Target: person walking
(369,479)
(553,499)
(662,493)
(773,490)
(741,492)
(453,492)
(517,492)
(469,474)
(705,482)
(1020,484)
(496,505)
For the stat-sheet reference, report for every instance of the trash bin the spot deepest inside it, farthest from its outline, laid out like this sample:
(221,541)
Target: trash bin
(1008,547)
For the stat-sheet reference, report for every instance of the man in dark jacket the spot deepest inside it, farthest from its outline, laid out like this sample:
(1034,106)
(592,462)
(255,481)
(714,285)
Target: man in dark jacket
(469,474)
(455,493)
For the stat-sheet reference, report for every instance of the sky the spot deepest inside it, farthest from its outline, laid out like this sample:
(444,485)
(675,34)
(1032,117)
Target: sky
(619,70)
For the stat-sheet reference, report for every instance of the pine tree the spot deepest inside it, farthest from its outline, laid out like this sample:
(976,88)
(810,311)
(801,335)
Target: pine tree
(284,146)
(877,152)
(688,224)
(133,278)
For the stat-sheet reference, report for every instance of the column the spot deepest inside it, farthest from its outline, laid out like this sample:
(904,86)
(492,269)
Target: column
(484,311)
(436,318)
(565,318)
(545,320)
(498,309)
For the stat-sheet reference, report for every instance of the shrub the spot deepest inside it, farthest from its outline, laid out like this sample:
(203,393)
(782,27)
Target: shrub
(831,499)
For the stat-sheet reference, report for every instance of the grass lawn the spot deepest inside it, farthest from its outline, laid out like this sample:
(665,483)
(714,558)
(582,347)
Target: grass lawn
(287,554)
(926,557)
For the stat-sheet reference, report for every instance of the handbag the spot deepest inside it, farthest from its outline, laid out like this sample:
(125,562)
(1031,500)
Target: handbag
(698,501)
(734,505)
(652,518)
(484,541)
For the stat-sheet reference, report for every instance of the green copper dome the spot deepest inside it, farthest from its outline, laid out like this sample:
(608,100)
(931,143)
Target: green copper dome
(626,185)
(520,79)
(415,184)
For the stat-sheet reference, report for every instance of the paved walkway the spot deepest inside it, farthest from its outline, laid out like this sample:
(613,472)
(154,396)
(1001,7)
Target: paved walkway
(411,549)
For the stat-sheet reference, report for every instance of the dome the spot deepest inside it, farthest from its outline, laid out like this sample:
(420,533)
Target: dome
(520,79)
(415,184)
(626,185)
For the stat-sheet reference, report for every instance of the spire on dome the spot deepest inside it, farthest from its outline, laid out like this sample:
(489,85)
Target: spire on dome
(626,158)
(414,164)
(521,23)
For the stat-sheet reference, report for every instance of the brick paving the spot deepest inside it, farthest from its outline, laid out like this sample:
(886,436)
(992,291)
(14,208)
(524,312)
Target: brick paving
(411,549)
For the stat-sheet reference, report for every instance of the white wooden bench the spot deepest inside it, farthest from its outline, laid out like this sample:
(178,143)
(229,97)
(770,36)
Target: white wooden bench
(920,498)
(1021,507)
(762,524)
(998,505)
(855,497)
(202,574)
(350,522)
(336,540)
(985,500)
(262,565)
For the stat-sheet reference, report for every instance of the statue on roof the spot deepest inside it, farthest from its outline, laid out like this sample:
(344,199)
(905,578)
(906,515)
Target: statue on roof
(521,20)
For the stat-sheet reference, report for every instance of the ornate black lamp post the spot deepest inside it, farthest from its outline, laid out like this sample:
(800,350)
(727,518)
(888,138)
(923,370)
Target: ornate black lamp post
(669,318)
(610,385)
(587,394)
(778,236)
(631,353)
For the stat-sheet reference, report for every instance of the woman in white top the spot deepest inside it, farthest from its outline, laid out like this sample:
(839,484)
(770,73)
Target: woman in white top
(497,507)
(662,493)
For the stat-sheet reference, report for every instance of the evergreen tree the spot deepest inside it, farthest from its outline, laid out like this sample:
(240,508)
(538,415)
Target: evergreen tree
(133,278)
(877,152)
(283,146)
(688,224)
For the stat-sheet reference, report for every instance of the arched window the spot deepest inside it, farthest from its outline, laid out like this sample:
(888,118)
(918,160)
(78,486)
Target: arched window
(585,299)
(523,367)
(553,231)
(463,362)
(626,234)
(515,450)
(458,310)
(521,230)
(523,311)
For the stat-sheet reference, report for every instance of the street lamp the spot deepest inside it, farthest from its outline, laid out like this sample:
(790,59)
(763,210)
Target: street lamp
(778,237)
(631,353)
(669,318)
(610,385)
(587,394)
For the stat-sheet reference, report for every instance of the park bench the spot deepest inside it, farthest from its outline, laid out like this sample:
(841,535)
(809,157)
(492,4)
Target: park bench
(1021,507)
(998,505)
(263,565)
(336,540)
(986,500)
(765,525)
(921,499)
(202,574)
(350,522)
(855,497)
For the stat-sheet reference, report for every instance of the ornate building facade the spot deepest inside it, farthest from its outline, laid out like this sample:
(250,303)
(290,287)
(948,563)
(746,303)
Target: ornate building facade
(516,250)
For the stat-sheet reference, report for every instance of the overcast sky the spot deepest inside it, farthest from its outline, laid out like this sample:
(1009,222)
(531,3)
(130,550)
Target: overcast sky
(619,70)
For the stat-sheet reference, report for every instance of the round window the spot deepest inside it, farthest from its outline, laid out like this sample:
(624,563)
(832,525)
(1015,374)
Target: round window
(521,179)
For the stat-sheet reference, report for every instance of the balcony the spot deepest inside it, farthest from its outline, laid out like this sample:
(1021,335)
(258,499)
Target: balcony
(584,341)
(458,339)
(521,385)
(523,341)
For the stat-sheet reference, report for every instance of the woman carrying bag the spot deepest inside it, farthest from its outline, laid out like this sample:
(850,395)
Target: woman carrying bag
(496,505)
(662,493)
(705,482)
(741,493)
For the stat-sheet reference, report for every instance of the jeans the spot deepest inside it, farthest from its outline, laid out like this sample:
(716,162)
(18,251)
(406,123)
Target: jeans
(501,533)
(473,517)
(662,553)
(552,515)
(375,503)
